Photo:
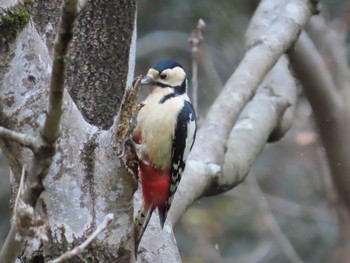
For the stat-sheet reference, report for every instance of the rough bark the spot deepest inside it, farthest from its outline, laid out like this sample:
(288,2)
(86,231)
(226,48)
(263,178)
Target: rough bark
(86,180)
(75,197)
(98,68)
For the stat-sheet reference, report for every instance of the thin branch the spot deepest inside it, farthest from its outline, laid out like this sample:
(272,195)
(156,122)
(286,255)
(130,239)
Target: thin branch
(209,166)
(281,239)
(331,43)
(241,86)
(70,11)
(19,192)
(50,131)
(79,249)
(342,23)
(285,207)
(195,40)
(211,59)
(23,139)
(24,224)
(51,128)
(335,205)
(330,111)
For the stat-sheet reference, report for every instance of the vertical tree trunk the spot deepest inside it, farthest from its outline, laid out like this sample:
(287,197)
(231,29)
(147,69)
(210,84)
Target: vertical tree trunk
(86,180)
(99,61)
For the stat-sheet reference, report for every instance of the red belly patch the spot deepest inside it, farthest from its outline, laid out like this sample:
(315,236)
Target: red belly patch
(155,185)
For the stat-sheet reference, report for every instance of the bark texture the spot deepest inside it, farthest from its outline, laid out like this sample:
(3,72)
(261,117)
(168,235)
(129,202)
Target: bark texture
(98,67)
(86,181)
(76,198)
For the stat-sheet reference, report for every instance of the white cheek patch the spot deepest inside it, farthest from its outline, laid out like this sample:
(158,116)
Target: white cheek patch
(175,76)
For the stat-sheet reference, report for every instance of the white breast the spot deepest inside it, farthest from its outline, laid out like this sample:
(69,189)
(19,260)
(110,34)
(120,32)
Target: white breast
(156,122)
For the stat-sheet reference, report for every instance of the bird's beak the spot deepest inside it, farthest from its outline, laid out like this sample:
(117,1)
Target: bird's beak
(146,80)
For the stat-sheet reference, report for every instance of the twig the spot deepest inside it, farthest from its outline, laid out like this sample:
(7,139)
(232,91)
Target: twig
(271,222)
(283,206)
(23,139)
(19,192)
(343,22)
(79,249)
(49,133)
(27,223)
(331,42)
(195,40)
(70,11)
(211,60)
(330,111)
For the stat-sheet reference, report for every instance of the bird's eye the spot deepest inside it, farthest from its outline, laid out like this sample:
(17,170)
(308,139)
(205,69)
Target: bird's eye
(163,76)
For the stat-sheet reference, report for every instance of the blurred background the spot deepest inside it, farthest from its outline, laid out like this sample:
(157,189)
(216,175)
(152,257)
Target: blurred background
(287,204)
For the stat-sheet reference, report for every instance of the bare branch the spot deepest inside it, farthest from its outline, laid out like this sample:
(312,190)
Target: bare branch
(50,131)
(279,78)
(79,249)
(20,191)
(28,224)
(24,224)
(241,86)
(271,222)
(195,40)
(248,138)
(23,139)
(208,168)
(210,59)
(332,45)
(285,207)
(342,23)
(70,11)
(11,245)
(329,109)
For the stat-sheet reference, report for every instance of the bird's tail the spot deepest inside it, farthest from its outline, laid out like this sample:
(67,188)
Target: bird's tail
(141,222)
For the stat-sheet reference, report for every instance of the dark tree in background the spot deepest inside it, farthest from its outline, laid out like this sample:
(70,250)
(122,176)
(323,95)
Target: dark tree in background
(260,76)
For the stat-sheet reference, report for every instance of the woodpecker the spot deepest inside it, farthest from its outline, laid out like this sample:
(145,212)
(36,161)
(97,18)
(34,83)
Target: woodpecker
(163,137)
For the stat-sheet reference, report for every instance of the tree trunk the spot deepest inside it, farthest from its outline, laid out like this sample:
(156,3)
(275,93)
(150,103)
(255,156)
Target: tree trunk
(86,180)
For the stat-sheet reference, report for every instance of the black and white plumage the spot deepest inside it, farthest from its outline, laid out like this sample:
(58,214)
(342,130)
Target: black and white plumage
(164,135)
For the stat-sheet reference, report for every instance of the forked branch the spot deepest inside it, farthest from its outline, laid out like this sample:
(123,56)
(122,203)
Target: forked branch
(205,165)
(45,144)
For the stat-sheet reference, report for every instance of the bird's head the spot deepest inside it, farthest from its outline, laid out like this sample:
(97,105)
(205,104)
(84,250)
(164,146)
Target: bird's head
(166,74)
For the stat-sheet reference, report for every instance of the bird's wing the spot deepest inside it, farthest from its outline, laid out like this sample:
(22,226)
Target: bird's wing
(184,135)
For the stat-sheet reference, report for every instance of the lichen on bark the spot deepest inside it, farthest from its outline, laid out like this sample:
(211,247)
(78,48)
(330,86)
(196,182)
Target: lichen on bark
(12,20)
